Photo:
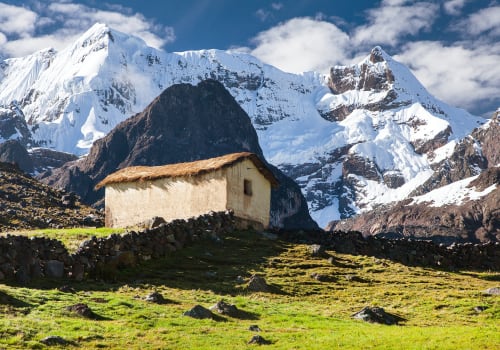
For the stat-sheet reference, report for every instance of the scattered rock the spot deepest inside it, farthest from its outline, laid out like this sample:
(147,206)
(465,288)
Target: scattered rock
(376,315)
(480,309)
(316,250)
(493,291)
(224,308)
(254,328)
(66,289)
(199,312)
(322,277)
(257,339)
(54,340)
(82,310)
(240,280)
(257,284)
(155,297)
(354,278)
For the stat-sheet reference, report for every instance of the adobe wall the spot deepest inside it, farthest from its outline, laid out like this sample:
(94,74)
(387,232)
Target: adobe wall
(131,203)
(254,207)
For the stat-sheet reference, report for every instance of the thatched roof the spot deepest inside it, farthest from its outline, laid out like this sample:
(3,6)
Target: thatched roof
(148,173)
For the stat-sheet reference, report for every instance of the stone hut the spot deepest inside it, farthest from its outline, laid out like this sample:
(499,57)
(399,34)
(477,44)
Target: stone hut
(240,182)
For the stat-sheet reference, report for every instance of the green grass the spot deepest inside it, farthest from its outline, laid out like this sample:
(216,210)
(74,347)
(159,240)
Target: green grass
(71,237)
(301,313)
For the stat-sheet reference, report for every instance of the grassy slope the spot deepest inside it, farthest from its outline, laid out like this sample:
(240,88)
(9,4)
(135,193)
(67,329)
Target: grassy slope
(303,313)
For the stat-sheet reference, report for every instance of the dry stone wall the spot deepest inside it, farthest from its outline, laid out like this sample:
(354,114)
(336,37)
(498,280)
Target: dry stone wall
(24,259)
(483,256)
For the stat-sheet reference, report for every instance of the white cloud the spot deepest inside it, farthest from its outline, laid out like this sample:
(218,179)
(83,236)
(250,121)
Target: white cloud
(25,30)
(302,44)
(458,75)
(262,14)
(485,21)
(394,20)
(17,20)
(277,6)
(454,7)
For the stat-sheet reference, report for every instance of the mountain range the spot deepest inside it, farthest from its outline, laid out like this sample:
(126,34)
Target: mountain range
(357,139)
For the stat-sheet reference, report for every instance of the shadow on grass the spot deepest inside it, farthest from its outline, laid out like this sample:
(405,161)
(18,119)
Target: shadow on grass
(218,266)
(6,299)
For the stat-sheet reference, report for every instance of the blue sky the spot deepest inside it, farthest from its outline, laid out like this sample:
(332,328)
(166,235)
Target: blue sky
(452,46)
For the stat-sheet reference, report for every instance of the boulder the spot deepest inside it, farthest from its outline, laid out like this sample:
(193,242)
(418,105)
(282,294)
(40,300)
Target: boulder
(376,315)
(199,312)
(257,284)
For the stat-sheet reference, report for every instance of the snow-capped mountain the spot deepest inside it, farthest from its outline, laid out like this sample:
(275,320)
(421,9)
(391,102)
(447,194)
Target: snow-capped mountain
(363,135)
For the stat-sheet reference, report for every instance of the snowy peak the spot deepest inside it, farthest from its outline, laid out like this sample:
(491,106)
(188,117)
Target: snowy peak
(360,136)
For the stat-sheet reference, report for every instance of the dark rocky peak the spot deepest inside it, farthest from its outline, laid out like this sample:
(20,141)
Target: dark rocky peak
(185,123)
(13,152)
(377,55)
(370,74)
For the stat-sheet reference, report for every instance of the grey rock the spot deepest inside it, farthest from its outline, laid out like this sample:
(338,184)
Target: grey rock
(259,340)
(376,315)
(316,250)
(54,269)
(224,308)
(155,297)
(254,328)
(493,291)
(199,312)
(257,284)
(54,340)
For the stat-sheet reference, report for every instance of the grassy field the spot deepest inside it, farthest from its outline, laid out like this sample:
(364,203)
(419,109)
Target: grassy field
(300,312)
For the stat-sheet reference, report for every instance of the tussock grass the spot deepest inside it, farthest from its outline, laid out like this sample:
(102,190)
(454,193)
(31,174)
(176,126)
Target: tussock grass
(300,313)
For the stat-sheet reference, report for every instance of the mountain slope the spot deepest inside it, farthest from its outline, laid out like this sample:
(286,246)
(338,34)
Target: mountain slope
(184,123)
(25,203)
(459,202)
(359,137)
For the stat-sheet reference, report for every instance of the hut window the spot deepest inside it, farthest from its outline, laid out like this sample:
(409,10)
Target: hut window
(247,187)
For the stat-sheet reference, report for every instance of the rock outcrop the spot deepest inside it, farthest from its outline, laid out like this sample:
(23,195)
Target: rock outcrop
(13,152)
(184,123)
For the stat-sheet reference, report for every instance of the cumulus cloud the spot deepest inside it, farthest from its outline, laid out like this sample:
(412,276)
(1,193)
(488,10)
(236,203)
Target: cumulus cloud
(302,44)
(393,20)
(458,75)
(25,30)
(17,20)
(463,73)
(484,22)
(454,7)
